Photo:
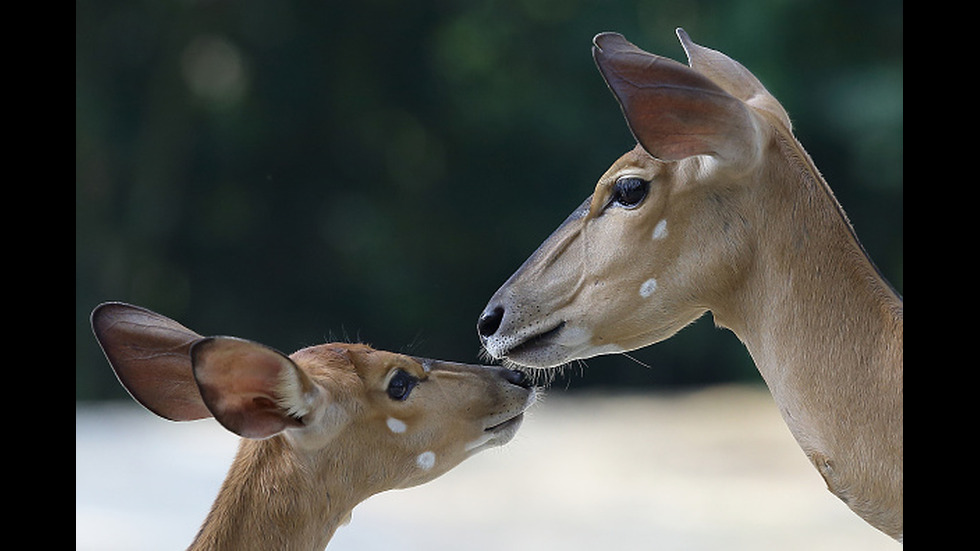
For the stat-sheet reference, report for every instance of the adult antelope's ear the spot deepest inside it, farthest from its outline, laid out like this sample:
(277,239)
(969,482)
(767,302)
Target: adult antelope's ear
(733,77)
(673,111)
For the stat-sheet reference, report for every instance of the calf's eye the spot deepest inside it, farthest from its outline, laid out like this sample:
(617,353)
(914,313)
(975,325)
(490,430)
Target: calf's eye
(400,385)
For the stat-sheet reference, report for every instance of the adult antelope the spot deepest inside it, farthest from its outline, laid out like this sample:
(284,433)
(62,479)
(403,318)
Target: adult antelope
(719,208)
(323,429)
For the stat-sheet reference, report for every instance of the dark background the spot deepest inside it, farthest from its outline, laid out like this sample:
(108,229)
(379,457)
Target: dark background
(299,171)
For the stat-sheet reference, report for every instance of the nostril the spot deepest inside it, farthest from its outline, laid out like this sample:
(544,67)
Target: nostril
(490,321)
(518,378)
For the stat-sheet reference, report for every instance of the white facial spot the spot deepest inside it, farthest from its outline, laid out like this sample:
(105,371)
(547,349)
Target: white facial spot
(396,426)
(648,287)
(660,231)
(426,460)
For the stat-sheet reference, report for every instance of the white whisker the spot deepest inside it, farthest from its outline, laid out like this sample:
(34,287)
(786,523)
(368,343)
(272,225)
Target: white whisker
(636,360)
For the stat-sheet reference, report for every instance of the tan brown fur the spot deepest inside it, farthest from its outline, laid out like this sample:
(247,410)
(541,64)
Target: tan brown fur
(754,235)
(322,429)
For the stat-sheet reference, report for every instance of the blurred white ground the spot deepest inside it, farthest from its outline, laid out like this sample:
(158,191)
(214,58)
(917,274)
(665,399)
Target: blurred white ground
(710,470)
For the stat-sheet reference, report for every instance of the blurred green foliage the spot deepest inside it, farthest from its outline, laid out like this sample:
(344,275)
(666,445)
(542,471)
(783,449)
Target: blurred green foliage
(297,171)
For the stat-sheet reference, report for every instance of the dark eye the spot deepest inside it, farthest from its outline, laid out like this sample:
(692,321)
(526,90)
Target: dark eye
(401,385)
(630,191)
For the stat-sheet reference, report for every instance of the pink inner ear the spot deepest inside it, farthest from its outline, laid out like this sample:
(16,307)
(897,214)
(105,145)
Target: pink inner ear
(673,111)
(240,382)
(166,387)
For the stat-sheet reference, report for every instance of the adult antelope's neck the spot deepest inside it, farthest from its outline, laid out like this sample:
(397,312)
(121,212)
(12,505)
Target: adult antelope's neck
(811,286)
(825,331)
(273,498)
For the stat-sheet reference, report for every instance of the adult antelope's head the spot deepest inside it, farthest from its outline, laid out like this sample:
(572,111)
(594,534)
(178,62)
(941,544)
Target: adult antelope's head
(662,237)
(719,208)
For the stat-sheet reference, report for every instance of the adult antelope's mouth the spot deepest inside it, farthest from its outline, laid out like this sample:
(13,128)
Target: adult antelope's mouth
(552,349)
(533,344)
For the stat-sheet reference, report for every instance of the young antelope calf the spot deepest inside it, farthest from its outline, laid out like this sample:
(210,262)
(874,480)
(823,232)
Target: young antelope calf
(323,429)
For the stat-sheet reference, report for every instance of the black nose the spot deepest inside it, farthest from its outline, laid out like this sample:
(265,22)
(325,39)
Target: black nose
(518,378)
(490,321)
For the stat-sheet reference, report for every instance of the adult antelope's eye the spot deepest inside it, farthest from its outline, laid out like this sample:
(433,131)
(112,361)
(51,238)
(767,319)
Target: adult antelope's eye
(629,191)
(401,385)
